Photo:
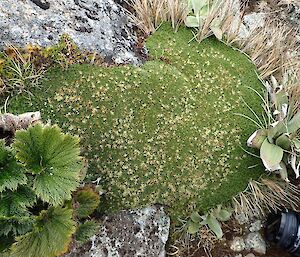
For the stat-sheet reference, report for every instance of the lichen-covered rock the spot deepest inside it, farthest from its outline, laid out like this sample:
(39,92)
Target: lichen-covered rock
(100,26)
(237,244)
(292,13)
(141,233)
(251,22)
(255,242)
(245,24)
(255,226)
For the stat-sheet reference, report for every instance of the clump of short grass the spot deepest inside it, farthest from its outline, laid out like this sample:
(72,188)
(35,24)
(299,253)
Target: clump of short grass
(166,132)
(21,69)
(273,49)
(17,72)
(149,14)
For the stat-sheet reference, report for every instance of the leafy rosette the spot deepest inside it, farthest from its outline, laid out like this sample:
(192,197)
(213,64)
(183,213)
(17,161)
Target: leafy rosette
(53,160)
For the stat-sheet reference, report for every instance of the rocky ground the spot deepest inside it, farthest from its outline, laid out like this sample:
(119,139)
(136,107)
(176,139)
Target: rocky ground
(100,26)
(142,233)
(242,240)
(286,10)
(103,26)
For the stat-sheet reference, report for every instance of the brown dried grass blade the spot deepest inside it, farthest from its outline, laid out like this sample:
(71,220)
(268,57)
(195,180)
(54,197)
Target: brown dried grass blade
(265,196)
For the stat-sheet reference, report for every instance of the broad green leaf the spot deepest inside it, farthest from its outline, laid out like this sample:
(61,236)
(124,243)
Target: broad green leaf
(276,130)
(53,158)
(55,186)
(14,215)
(294,124)
(42,146)
(197,5)
(15,225)
(86,230)
(271,155)
(195,217)
(281,99)
(11,175)
(215,226)
(192,22)
(88,201)
(204,11)
(221,214)
(284,142)
(50,236)
(283,172)
(193,227)
(257,138)
(15,203)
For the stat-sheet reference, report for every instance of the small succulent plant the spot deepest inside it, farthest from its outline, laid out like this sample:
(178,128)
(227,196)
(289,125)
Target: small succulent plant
(199,11)
(278,139)
(211,219)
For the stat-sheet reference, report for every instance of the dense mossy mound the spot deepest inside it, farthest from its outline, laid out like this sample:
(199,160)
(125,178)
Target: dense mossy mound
(166,132)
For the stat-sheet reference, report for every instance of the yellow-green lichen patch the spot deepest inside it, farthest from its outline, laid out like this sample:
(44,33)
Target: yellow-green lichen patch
(165,132)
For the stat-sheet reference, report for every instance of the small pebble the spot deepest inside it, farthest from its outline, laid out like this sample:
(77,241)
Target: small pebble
(242,218)
(255,226)
(237,244)
(255,242)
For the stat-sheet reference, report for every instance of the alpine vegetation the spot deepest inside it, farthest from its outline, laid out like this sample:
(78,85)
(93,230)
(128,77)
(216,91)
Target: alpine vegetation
(172,131)
(39,173)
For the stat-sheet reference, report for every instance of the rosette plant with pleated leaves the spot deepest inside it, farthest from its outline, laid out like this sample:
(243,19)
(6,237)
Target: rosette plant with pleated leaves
(52,158)
(39,173)
(278,137)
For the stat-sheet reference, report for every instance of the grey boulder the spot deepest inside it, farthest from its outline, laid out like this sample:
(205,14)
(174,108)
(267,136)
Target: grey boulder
(135,233)
(95,25)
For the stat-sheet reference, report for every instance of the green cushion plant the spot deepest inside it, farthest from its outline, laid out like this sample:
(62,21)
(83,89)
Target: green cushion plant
(168,132)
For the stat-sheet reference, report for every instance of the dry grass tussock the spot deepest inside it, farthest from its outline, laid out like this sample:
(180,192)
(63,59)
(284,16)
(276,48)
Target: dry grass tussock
(294,93)
(273,49)
(267,195)
(224,15)
(149,14)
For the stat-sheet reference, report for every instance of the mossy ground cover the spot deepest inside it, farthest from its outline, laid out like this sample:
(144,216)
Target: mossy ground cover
(166,132)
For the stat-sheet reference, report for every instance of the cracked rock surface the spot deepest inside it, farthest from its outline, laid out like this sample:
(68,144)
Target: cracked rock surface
(94,25)
(134,233)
